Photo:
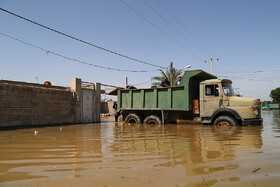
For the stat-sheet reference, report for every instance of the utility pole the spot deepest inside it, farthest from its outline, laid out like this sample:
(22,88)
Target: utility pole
(212,72)
(171,76)
(126,81)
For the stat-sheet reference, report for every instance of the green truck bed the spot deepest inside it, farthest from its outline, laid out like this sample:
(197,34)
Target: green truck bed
(168,98)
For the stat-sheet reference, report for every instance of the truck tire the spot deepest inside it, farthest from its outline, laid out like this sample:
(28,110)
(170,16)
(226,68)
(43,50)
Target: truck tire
(225,121)
(152,119)
(133,118)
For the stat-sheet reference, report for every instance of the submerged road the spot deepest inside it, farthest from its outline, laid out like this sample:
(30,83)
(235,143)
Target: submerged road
(118,154)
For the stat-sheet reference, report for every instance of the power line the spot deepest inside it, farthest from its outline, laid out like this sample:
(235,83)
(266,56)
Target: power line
(178,21)
(138,84)
(250,77)
(271,70)
(253,71)
(257,79)
(72,59)
(165,33)
(77,39)
(172,26)
(236,71)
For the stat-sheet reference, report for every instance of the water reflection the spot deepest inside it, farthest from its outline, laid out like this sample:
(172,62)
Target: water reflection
(187,145)
(273,117)
(276,117)
(189,155)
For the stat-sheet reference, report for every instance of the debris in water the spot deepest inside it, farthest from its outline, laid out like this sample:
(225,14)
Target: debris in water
(255,170)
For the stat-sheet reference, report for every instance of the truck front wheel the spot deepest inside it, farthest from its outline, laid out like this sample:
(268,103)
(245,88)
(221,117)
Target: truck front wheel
(133,118)
(152,119)
(224,121)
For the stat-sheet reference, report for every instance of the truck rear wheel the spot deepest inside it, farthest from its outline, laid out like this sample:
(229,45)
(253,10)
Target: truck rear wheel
(152,119)
(224,121)
(133,118)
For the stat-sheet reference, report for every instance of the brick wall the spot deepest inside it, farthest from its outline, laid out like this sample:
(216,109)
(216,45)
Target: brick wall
(27,104)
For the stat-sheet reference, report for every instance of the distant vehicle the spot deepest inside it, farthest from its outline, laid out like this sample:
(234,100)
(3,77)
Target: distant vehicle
(200,97)
(271,106)
(265,107)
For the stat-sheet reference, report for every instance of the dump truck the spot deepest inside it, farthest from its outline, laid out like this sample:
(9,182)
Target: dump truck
(199,98)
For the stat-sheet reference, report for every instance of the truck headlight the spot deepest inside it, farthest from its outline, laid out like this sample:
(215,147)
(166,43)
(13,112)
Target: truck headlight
(256,111)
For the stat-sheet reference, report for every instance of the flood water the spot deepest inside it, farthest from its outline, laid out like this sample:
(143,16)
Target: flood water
(118,154)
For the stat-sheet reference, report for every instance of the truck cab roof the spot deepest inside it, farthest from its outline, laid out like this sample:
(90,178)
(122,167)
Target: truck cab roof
(191,76)
(212,81)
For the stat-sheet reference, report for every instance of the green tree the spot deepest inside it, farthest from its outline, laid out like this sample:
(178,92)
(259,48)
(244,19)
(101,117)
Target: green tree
(266,102)
(176,73)
(275,95)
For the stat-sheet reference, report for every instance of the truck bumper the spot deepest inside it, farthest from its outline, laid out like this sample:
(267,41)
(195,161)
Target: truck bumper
(256,121)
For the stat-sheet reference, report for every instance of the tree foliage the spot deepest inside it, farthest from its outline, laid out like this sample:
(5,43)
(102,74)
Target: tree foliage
(264,103)
(176,73)
(275,95)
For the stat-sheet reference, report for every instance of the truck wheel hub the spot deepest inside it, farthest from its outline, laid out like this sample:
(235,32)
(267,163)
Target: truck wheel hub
(223,124)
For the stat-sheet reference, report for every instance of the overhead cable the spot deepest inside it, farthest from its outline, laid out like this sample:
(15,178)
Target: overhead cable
(138,84)
(178,21)
(268,70)
(85,42)
(173,27)
(249,77)
(236,71)
(253,71)
(72,59)
(165,33)
(258,79)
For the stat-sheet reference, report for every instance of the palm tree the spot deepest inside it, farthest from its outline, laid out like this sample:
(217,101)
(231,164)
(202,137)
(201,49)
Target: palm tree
(176,73)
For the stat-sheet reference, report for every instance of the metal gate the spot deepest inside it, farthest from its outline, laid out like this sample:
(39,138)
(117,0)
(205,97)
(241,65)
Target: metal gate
(87,106)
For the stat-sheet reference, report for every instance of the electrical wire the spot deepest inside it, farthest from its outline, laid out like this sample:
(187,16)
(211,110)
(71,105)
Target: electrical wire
(85,42)
(163,32)
(173,27)
(138,84)
(271,70)
(236,71)
(250,77)
(75,60)
(186,29)
(257,79)
(253,71)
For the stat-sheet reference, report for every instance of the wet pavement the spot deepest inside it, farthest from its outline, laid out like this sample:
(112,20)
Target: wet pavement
(118,154)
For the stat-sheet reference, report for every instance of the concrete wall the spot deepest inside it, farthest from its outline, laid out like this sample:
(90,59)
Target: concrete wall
(107,107)
(29,104)
(23,104)
(104,108)
(97,97)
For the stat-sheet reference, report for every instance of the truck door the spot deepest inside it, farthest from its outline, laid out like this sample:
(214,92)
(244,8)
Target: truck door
(212,99)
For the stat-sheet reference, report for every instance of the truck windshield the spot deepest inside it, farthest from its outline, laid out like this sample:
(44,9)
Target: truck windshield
(227,88)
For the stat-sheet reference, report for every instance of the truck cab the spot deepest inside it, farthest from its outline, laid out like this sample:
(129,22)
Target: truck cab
(219,105)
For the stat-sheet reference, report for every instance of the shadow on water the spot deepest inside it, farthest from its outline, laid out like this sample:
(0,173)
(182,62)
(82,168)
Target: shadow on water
(107,153)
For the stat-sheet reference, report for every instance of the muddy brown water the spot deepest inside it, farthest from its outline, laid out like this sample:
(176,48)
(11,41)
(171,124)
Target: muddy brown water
(118,154)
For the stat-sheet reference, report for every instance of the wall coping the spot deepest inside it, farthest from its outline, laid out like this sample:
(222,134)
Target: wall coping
(34,85)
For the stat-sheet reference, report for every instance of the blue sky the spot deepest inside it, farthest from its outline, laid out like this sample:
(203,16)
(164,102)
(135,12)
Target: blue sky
(244,35)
